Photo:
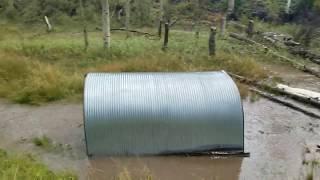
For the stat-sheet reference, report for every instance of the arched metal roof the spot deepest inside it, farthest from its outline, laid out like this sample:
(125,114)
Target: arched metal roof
(161,113)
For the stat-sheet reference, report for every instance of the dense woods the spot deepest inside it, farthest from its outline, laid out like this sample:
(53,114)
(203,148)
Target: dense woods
(145,12)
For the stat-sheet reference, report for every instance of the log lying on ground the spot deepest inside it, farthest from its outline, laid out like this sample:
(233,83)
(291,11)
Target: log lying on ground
(133,31)
(286,103)
(300,51)
(129,30)
(283,58)
(301,95)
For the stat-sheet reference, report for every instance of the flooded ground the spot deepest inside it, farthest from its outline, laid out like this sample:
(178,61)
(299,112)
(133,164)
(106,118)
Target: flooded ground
(274,135)
(294,77)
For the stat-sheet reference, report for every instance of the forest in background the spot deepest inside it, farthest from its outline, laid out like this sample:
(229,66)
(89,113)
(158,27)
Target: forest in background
(146,13)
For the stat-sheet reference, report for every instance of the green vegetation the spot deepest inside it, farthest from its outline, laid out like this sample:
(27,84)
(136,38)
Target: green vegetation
(26,167)
(43,142)
(39,69)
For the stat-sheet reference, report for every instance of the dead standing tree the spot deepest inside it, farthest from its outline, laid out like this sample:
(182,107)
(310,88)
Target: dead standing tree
(128,8)
(161,17)
(85,32)
(49,26)
(106,23)
(226,15)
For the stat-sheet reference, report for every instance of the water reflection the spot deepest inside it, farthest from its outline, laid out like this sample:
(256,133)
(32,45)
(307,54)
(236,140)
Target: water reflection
(167,168)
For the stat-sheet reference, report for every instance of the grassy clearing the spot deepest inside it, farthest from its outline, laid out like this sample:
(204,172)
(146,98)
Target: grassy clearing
(26,167)
(51,67)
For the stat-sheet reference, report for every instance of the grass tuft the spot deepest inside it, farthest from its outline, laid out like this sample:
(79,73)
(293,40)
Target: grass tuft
(26,167)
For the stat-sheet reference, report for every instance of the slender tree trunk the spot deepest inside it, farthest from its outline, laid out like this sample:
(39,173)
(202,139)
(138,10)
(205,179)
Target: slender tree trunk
(161,9)
(106,23)
(161,17)
(226,15)
(49,26)
(85,32)
(197,18)
(288,6)
(128,17)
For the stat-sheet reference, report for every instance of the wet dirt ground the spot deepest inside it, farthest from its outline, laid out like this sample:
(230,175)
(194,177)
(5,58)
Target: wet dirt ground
(274,135)
(294,77)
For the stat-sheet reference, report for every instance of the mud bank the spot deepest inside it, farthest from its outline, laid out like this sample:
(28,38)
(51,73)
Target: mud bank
(275,137)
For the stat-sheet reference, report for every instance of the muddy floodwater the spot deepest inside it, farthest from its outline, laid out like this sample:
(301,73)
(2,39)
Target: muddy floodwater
(274,135)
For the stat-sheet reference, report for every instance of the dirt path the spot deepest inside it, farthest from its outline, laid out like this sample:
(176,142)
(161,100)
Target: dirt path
(275,136)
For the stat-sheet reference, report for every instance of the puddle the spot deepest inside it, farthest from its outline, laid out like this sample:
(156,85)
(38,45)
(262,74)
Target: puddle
(274,135)
(156,168)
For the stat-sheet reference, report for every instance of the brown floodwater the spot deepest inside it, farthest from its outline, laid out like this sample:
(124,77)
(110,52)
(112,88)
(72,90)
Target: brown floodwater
(274,135)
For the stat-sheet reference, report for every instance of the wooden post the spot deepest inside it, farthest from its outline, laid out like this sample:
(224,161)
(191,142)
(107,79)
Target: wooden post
(223,25)
(106,23)
(250,29)
(212,41)
(160,28)
(166,36)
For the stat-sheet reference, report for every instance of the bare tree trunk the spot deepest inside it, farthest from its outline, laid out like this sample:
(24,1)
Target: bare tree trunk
(198,18)
(49,26)
(226,15)
(85,32)
(288,6)
(161,9)
(128,17)
(161,17)
(106,23)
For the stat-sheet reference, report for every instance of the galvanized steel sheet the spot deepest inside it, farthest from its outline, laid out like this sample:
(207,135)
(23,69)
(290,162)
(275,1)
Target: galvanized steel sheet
(160,113)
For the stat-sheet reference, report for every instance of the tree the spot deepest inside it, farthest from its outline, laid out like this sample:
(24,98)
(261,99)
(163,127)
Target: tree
(227,14)
(288,6)
(85,33)
(106,23)
(128,9)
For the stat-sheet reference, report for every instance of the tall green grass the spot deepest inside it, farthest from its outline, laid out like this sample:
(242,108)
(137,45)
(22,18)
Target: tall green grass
(39,69)
(26,167)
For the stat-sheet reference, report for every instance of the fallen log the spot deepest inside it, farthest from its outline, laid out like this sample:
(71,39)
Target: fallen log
(300,94)
(300,51)
(297,65)
(286,103)
(313,98)
(129,30)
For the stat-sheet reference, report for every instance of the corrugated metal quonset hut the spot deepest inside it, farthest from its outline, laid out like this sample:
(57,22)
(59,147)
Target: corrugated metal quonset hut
(162,113)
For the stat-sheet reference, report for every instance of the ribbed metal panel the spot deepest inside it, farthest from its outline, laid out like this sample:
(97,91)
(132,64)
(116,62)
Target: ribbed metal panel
(156,113)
